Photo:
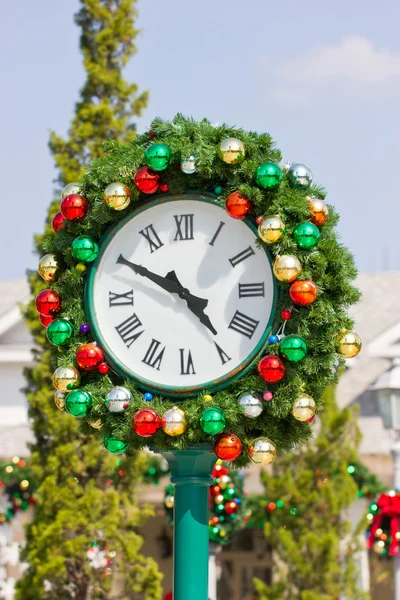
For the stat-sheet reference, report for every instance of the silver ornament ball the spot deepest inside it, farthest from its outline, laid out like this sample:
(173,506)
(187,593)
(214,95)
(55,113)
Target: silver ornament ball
(250,405)
(300,176)
(188,165)
(118,399)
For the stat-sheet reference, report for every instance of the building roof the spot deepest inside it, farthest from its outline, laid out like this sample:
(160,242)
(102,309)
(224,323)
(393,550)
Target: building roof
(12,293)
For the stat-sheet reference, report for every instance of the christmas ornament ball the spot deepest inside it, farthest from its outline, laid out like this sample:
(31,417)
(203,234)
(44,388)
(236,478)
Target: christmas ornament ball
(148,397)
(319,211)
(57,222)
(188,165)
(114,445)
(174,422)
(271,369)
(250,405)
(287,268)
(118,399)
(300,176)
(59,332)
(262,451)
(48,267)
(212,421)
(293,347)
(66,378)
(207,398)
(349,344)
(45,320)
(164,187)
(147,180)
(231,507)
(271,230)
(95,424)
(84,248)
(59,399)
(267,395)
(71,188)
(78,403)
(146,422)
(231,151)
(304,408)
(238,206)
(89,357)
(228,447)
(74,207)
(169,501)
(103,368)
(48,303)
(117,196)
(303,292)
(306,235)
(158,157)
(268,176)
(84,328)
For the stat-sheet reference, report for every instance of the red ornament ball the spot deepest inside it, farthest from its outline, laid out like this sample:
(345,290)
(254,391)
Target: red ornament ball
(303,292)
(89,357)
(103,368)
(286,314)
(238,206)
(48,303)
(146,422)
(147,180)
(151,134)
(164,187)
(74,207)
(271,369)
(45,320)
(231,507)
(58,221)
(228,446)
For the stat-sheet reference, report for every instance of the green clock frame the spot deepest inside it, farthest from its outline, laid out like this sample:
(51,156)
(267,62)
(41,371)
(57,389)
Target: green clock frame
(116,365)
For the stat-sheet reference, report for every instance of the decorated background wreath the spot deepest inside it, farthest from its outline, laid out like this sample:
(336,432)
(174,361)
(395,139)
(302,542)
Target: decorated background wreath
(270,407)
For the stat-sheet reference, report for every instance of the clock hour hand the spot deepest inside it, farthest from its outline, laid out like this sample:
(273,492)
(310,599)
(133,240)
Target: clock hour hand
(163,282)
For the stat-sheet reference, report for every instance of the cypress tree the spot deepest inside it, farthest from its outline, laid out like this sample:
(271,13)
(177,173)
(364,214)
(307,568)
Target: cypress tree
(86,497)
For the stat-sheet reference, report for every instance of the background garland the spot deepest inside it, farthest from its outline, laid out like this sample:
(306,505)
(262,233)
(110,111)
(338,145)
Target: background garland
(270,406)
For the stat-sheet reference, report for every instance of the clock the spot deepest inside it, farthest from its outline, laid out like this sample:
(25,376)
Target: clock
(181,297)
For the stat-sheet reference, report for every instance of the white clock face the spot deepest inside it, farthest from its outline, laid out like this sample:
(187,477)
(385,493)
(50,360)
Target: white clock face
(181,298)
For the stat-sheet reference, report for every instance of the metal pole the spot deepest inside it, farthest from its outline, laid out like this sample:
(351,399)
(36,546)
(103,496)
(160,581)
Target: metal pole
(191,474)
(212,572)
(396,481)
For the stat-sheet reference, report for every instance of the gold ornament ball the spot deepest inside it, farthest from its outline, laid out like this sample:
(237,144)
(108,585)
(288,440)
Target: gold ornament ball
(66,379)
(207,398)
(319,211)
(231,151)
(169,501)
(304,408)
(117,196)
(262,451)
(174,422)
(287,268)
(271,229)
(48,267)
(71,188)
(218,499)
(59,399)
(349,343)
(96,424)
(81,267)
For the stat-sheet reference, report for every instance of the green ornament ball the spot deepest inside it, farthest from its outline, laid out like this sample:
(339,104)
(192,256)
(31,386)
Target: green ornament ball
(293,347)
(306,235)
(212,421)
(59,332)
(78,403)
(268,176)
(218,190)
(214,533)
(84,248)
(115,446)
(158,157)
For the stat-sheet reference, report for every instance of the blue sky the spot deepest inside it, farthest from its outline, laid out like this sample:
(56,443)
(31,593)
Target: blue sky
(322,78)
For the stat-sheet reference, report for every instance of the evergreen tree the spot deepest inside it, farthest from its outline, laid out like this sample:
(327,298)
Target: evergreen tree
(86,496)
(306,496)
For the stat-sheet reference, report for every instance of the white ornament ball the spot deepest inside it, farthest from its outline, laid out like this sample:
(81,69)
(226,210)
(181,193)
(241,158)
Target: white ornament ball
(300,176)
(188,165)
(251,406)
(118,399)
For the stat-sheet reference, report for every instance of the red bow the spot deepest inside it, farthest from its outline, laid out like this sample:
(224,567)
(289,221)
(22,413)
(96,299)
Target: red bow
(389,506)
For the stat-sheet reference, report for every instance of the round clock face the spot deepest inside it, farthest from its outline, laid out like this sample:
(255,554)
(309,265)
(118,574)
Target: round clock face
(181,298)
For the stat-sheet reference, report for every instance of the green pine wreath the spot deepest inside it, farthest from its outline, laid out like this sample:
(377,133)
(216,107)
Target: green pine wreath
(272,191)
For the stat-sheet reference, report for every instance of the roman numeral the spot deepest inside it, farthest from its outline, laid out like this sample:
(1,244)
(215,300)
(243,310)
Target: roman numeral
(151,236)
(216,234)
(243,324)
(186,365)
(247,290)
(121,299)
(241,256)
(152,357)
(223,356)
(128,330)
(185,222)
